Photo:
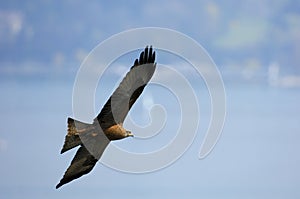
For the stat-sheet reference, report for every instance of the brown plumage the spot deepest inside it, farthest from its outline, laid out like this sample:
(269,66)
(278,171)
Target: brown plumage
(108,125)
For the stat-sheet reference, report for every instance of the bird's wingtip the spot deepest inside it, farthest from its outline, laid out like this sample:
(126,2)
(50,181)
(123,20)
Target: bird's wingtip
(58,185)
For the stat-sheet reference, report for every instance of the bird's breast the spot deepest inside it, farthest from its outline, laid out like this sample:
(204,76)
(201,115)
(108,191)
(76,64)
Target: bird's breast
(115,132)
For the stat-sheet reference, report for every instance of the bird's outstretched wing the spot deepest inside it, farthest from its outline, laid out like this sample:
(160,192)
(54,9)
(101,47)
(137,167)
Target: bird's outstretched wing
(130,88)
(82,163)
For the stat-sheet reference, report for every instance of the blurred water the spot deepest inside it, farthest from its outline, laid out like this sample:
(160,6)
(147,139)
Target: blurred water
(257,155)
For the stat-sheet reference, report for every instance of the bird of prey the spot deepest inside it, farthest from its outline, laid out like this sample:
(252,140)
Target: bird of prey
(108,125)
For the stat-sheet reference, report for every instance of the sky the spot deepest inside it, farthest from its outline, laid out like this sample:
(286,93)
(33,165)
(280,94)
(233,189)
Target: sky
(254,45)
(53,37)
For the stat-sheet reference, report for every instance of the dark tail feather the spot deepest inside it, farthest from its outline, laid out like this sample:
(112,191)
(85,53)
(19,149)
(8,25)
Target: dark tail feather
(75,128)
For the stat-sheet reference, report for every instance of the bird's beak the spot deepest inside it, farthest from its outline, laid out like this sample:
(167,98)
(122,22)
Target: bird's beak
(130,135)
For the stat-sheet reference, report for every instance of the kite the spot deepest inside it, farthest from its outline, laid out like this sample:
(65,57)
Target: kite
(108,125)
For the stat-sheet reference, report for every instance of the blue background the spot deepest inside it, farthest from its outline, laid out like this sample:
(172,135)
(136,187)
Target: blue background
(255,45)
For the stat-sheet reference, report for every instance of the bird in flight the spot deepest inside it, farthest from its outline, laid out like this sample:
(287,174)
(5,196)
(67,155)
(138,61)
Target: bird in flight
(108,125)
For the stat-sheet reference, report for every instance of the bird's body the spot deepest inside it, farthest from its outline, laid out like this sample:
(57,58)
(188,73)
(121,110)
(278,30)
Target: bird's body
(117,132)
(108,125)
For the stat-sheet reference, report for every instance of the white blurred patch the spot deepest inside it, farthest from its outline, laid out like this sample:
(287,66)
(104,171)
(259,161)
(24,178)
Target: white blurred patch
(251,68)
(148,101)
(3,145)
(81,54)
(58,59)
(25,68)
(119,70)
(183,68)
(290,81)
(277,80)
(243,33)
(11,24)
(273,74)
(160,9)
(212,10)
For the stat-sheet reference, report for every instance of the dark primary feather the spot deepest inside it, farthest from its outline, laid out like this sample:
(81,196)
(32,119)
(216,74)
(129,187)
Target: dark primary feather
(82,163)
(131,87)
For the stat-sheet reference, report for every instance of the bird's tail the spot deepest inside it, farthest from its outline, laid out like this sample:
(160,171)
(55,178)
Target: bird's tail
(75,129)
(93,144)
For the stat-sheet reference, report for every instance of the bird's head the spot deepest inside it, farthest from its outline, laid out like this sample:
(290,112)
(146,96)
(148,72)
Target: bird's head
(129,134)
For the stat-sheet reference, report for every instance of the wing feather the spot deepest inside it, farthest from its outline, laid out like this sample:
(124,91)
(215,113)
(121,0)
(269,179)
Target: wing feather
(130,88)
(82,163)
